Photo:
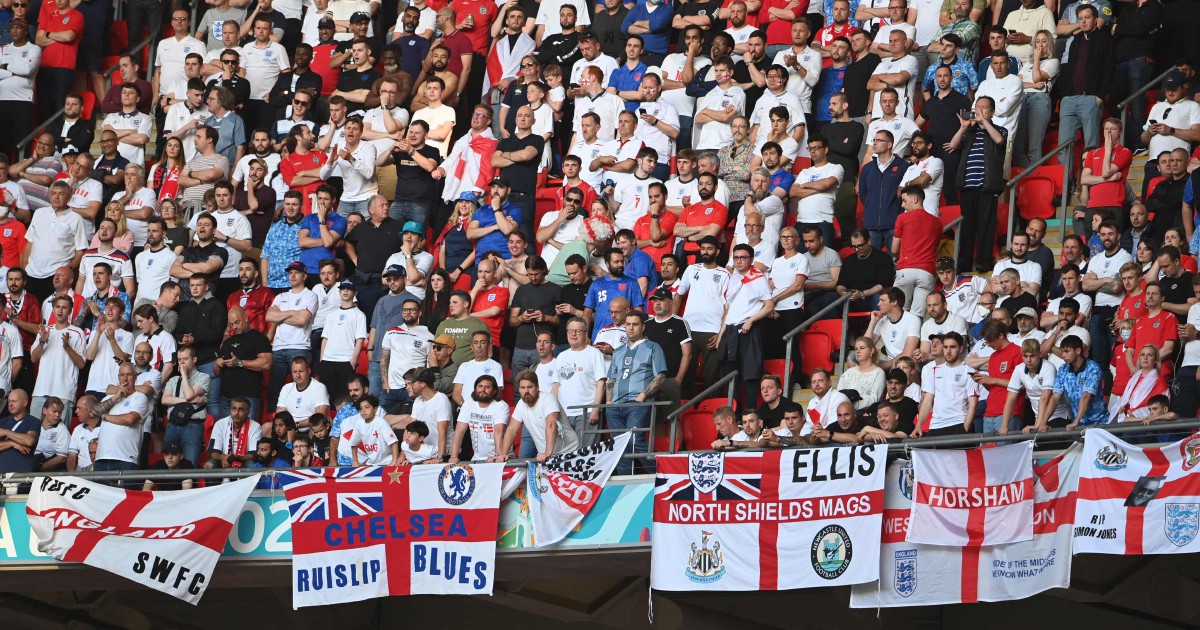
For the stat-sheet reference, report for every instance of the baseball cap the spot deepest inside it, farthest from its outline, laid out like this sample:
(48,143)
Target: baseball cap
(326,22)
(360,16)
(500,180)
(71,150)
(420,375)
(173,447)
(296,266)
(348,284)
(662,293)
(468,195)
(709,240)
(1027,312)
(1173,79)
(445,340)
(412,226)
(395,270)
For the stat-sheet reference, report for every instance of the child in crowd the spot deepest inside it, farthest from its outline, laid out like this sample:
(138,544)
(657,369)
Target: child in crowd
(53,441)
(414,450)
(172,460)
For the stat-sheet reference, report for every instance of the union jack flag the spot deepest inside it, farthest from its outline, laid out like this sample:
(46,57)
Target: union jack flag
(320,494)
(711,477)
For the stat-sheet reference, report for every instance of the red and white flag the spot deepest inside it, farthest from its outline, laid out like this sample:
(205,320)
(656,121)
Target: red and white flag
(504,60)
(769,521)
(911,574)
(974,497)
(1134,500)
(168,541)
(563,490)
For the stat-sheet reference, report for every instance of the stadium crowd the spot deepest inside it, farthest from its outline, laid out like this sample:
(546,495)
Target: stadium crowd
(343,232)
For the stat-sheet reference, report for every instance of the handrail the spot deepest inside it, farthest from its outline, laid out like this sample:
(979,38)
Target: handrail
(844,302)
(956,227)
(37,131)
(726,380)
(1067,145)
(649,430)
(1140,91)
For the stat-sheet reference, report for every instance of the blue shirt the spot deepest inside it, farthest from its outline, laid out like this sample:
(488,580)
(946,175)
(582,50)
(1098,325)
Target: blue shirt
(985,64)
(623,79)
(632,369)
(347,410)
(231,134)
(312,256)
(964,76)
(782,179)
(641,265)
(281,247)
(415,49)
(495,241)
(601,294)
(1073,385)
(829,84)
(659,21)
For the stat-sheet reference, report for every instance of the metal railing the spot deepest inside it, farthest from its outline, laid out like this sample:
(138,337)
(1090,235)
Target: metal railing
(1067,145)
(37,131)
(727,381)
(632,453)
(956,227)
(1152,83)
(842,301)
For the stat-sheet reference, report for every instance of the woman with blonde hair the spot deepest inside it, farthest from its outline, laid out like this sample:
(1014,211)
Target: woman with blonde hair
(178,235)
(866,378)
(124,238)
(456,252)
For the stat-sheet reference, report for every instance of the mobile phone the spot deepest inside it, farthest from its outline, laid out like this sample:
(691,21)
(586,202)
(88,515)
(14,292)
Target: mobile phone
(642,111)
(968,116)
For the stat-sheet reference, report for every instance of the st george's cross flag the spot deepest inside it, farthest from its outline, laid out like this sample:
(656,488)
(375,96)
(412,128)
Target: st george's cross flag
(563,489)
(767,521)
(981,496)
(912,574)
(1134,500)
(168,541)
(361,533)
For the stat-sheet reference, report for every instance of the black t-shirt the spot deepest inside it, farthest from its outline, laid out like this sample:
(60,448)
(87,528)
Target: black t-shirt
(1178,290)
(320,447)
(908,415)
(845,141)
(199,254)
(940,112)
(860,275)
(105,166)
(855,83)
(573,294)
(696,8)
(1014,304)
(375,244)
(515,98)
(522,176)
(669,335)
(741,74)
(774,417)
(561,49)
(238,85)
(414,183)
(170,484)
(242,381)
(352,79)
(534,297)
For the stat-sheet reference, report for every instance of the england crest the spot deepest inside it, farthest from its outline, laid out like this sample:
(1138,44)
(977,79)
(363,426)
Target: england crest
(706,471)
(1182,522)
(906,572)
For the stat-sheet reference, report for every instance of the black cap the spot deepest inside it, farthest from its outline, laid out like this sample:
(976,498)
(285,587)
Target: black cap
(662,293)
(500,180)
(296,266)
(326,22)
(360,16)
(172,447)
(420,375)
(395,270)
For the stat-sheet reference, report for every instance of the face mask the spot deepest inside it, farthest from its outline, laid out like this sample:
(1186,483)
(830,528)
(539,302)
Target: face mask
(1125,334)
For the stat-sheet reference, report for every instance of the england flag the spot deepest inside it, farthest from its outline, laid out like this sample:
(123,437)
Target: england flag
(974,497)
(1134,500)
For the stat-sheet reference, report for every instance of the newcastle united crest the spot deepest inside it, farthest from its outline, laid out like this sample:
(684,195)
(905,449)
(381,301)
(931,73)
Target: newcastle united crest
(705,565)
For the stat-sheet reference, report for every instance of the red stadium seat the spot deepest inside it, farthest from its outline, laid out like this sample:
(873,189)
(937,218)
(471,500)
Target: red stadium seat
(89,104)
(778,367)
(1035,198)
(845,251)
(118,37)
(948,214)
(699,432)
(710,405)
(1053,172)
(831,327)
(364,363)
(662,438)
(800,163)
(815,350)
(1152,185)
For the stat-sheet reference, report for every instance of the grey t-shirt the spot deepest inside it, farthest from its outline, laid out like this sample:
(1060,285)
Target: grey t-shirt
(214,18)
(819,265)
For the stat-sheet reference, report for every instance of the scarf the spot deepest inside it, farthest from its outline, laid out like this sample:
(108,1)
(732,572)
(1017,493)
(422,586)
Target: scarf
(236,443)
(1138,392)
(504,61)
(468,168)
(168,184)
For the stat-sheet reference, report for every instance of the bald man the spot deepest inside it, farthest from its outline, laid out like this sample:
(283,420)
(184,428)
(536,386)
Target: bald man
(241,361)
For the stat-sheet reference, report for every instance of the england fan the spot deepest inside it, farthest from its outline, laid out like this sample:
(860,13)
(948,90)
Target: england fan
(304,396)
(342,340)
(58,352)
(822,409)
(373,442)
(949,393)
(405,347)
(429,407)
(541,416)
(897,329)
(483,416)
(234,438)
(121,418)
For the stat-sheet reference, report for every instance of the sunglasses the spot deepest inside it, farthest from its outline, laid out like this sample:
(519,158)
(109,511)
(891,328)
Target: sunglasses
(297,101)
(233,61)
(574,200)
(528,64)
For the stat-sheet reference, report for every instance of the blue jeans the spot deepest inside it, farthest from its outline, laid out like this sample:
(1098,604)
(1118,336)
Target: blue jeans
(991,424)
(881,239)
(106,465)
(827,232)
(1103,340)
(621,418)
(523,358)
(255,408)
(398,395)
(374,377)
(1129,76)
(1080,112)
(528,448)
(347,208)
(685,132)
(774,49)
(281,366)
(410,211)
(191,436)
(1031,128)
(214,390)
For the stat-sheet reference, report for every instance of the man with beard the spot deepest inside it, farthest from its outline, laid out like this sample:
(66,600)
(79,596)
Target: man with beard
(244,356)
(605,289)
(22,309)
(540,415)
(232,437)
(437,64)
(405,347)
(1029,271)
(302,78)
(388,312)
(747,301)
(153,265)
(904,407)
(483,416)
(339,446)
(925,170)
(707,282)
(705,218)
(562,48)
(254,298)
(430,407)
(414,46)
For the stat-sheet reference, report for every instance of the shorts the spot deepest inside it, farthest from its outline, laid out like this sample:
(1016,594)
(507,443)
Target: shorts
(91,53)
